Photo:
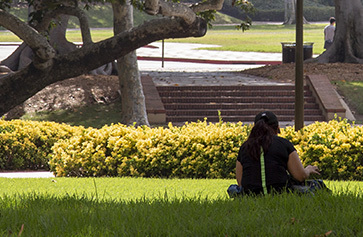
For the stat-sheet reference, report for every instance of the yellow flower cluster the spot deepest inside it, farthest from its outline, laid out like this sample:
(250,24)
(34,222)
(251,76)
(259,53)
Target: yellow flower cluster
(27,145)
(334,146)
(195,150)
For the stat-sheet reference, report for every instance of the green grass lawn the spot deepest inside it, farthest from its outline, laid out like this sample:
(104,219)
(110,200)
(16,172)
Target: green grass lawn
(260,38)
(96,115)
(353,92)
(171,207)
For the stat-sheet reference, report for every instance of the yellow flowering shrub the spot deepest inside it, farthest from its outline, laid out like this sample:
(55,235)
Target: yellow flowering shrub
(195,150)
(334,146)
(27,144)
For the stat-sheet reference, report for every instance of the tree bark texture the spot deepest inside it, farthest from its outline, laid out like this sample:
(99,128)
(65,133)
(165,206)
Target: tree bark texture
(133,109)
(347,46)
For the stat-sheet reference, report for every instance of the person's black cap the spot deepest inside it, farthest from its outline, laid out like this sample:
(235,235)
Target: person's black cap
(269,117)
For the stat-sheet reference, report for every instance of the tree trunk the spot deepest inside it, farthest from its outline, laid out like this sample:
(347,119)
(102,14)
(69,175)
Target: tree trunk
(133,108)
(347,46)
(290,13)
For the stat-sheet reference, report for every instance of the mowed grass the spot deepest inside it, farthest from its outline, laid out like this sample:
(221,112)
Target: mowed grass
(260,38)
(171,207)
(353,92)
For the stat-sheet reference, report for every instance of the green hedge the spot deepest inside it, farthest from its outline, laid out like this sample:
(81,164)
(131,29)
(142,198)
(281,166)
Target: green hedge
(195,150)
(27,145)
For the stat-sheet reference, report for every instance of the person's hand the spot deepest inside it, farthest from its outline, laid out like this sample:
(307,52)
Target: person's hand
(312,170)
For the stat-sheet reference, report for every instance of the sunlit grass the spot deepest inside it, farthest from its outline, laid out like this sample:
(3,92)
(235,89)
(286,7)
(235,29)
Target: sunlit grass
(128,188)
(170,207)
(260,38)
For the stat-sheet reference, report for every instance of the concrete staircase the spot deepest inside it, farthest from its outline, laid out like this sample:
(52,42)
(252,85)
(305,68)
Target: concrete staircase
(235,103)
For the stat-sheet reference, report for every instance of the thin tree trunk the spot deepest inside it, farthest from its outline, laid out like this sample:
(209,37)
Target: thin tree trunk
(290,13)
(133,107)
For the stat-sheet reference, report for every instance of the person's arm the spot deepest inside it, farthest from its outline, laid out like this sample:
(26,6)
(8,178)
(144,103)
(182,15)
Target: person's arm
(239,170)
(297,170)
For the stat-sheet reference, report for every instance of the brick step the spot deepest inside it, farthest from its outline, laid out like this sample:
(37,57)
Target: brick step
(226,88)
(246,118)
(236,106)
(207,113)
(280,93)
(260,99)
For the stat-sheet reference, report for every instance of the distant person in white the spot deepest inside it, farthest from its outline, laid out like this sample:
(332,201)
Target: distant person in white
(329,31)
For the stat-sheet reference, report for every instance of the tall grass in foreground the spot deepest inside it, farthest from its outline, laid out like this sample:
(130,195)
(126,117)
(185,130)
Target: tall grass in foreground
(171,207)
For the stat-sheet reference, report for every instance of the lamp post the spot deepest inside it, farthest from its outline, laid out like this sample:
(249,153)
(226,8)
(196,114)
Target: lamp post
(299,68)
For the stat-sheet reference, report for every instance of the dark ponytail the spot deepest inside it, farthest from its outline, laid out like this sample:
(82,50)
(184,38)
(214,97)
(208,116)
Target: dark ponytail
(261,136)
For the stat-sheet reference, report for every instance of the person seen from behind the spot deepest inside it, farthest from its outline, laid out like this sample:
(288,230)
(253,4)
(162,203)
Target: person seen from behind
(280,159)
(329,32)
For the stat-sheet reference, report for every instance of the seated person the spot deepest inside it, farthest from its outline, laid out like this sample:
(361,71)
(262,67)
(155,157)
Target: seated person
(278,155)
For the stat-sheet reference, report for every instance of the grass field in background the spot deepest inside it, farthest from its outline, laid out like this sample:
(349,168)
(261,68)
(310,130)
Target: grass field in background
(260,38)
(171,207)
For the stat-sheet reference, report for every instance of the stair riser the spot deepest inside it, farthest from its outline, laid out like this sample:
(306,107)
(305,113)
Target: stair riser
(235,106)
(225,88)
(234,100)
(231,94)
(238,119)
(230,112)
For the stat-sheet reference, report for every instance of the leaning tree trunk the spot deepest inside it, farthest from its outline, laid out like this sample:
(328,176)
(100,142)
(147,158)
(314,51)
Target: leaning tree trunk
(347,46)
(290,13)
(133,108)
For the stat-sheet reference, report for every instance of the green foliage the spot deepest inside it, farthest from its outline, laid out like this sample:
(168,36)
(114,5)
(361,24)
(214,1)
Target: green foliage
(195,150)
(318,13)
(335,147)
(27,145)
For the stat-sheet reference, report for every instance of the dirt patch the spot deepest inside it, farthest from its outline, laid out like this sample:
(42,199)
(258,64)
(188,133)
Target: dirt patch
(334,71)
(70,94)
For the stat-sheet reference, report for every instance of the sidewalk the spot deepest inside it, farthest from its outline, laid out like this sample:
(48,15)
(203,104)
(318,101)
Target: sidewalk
(188,58)
(27,174)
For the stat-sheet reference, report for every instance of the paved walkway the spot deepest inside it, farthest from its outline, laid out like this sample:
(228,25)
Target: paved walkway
(28,174)
(189,58)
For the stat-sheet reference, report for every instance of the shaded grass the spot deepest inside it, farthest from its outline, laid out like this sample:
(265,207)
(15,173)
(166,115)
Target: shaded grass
(353,92)
(95,115)
(71,210)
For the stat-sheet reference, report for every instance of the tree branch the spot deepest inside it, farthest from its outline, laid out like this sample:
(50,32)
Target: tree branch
(207,5)
(154,7)
(38,43)
(72,11)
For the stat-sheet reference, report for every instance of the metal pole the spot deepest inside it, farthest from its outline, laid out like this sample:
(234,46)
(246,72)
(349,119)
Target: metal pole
(162,53)
(299,68)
